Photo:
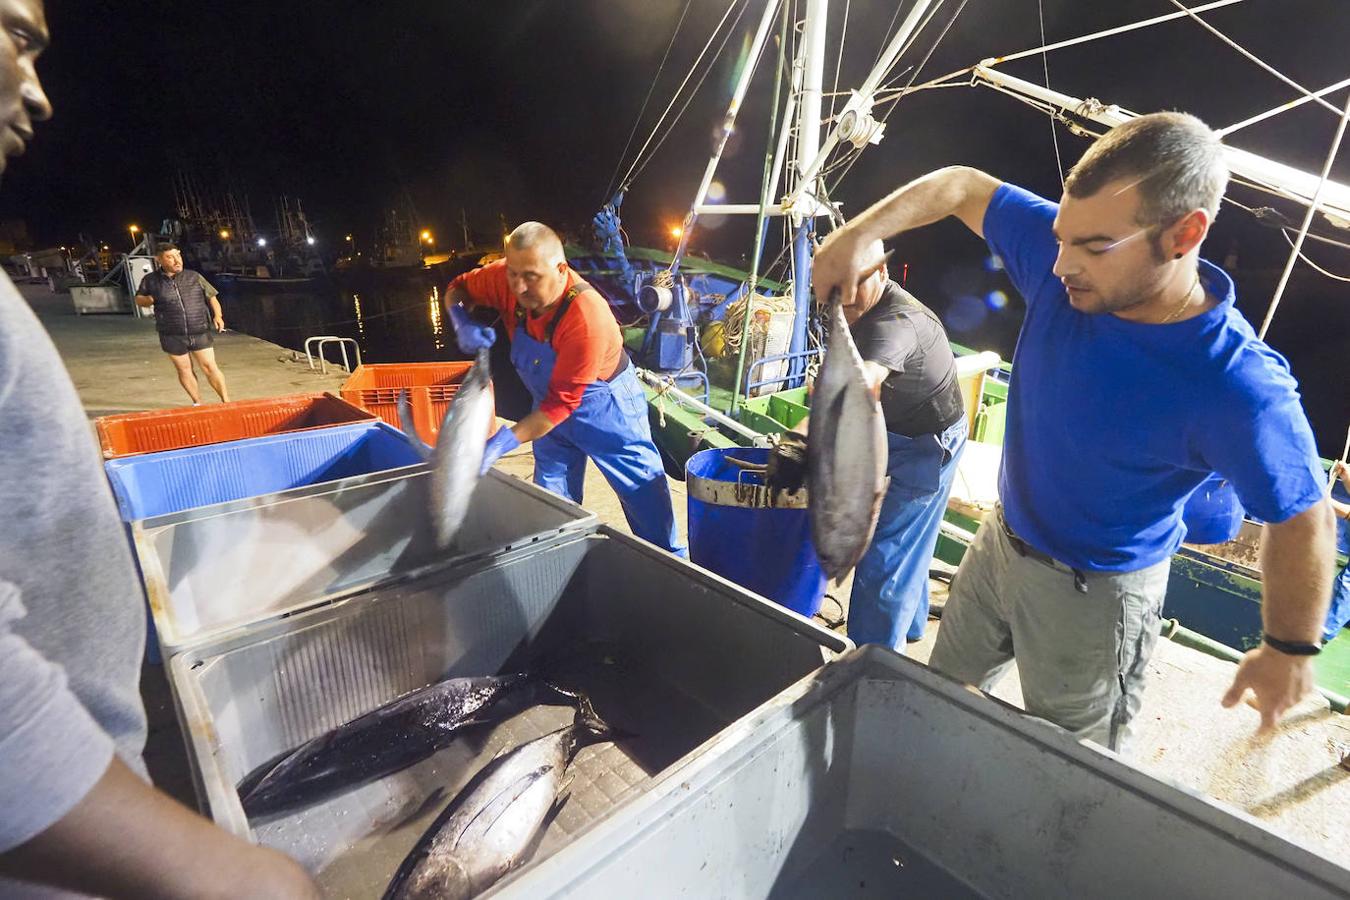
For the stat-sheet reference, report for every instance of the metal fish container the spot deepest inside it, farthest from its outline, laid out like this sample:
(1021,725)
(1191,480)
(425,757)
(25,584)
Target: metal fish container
(667,652)
(215,568)
(880,778)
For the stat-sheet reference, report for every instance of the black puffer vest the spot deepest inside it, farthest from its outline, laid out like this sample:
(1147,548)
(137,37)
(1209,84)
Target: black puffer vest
(180,302)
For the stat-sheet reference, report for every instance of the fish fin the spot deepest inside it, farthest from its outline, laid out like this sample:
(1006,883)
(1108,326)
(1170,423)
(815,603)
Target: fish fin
(405,419)
(591,729)
(571,697)
(483,820)
(473,723)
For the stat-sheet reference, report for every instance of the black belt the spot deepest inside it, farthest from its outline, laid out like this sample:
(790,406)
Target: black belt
(1026,550)
(624,363)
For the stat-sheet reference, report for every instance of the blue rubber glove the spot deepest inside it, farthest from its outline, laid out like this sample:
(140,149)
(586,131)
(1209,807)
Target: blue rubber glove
(470,335)
(501,443)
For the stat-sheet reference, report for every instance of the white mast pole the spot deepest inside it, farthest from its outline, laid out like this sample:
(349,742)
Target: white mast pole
(813,80)
(897,45)
(1283,180)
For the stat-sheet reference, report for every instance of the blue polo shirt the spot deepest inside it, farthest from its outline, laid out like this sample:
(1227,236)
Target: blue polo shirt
(1111,424)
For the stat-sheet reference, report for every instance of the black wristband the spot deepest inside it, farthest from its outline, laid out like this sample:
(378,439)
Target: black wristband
(1292,649)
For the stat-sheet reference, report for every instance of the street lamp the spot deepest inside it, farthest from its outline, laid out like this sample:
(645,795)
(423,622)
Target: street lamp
(262,242)
(224,234)
(426,238)
(135,230)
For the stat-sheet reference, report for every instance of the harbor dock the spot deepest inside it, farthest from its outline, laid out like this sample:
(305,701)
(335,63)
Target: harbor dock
(1295,781)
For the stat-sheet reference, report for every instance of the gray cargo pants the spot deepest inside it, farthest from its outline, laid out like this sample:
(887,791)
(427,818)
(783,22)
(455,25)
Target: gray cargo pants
(1081,654)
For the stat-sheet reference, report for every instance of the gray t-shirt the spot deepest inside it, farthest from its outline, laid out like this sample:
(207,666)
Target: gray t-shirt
(921,394)
(72,614)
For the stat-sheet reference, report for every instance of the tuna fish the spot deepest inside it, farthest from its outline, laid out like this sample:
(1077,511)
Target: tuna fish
(845,453)
(488,827)
(458,454)
(383,741)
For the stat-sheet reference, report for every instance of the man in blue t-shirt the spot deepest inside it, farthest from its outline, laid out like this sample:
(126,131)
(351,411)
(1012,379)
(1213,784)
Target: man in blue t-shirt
(1134,380)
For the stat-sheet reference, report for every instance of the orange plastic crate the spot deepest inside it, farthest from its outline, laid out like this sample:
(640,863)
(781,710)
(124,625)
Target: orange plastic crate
(194,426)
(431,388)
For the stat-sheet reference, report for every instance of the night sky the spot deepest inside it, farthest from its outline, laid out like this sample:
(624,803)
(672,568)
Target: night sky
(521,108)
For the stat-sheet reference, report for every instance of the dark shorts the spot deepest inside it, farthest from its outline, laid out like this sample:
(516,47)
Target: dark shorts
(181,344)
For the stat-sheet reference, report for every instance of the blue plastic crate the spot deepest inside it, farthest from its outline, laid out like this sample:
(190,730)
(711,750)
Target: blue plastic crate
(171,481)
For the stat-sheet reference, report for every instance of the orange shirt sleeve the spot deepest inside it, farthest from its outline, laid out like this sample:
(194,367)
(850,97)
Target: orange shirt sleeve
(486,286)
(588,345)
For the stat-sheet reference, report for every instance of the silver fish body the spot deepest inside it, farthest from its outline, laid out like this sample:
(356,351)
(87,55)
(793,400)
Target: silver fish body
(487,828)
(458,456)
(846,454)
(385,740)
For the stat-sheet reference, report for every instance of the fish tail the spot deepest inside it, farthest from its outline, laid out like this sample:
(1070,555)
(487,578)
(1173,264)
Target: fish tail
(589,728)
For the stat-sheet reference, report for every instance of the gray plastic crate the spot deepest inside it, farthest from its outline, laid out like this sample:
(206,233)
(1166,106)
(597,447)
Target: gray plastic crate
(216,568)
(668,653)
(879,778)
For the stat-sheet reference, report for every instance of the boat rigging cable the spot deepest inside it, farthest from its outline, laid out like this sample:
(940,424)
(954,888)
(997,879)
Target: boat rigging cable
(1283,107)
(690,99)
(919,68)
(1253,57)
(1045,65)
(740,332)
(850,153)
(656,79)
(839,59)
(1307,221)
(1269,179)
(639,163)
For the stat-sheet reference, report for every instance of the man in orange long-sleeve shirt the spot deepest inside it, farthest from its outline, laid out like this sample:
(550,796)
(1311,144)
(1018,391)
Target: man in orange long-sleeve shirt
(568,350)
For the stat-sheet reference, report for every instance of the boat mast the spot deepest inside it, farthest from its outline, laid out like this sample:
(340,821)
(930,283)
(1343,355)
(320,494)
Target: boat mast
(808,149)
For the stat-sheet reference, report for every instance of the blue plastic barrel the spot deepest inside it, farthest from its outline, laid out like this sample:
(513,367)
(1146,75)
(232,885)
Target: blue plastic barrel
(737,532)
(1213,513)
(171,481)
(155,484)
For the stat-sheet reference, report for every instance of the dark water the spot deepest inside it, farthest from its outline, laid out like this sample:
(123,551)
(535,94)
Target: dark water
(872,864)
(393,316)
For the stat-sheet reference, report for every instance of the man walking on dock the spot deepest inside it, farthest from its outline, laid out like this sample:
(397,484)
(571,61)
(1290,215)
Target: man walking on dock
(1134,379)
(187,309)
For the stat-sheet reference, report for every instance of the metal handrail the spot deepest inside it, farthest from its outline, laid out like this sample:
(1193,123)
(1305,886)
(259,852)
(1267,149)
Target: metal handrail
(323,339)
(803,355)
(697,375)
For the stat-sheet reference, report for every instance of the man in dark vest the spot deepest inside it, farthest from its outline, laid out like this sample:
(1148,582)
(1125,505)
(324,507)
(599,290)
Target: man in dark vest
(186,310)
(909,363)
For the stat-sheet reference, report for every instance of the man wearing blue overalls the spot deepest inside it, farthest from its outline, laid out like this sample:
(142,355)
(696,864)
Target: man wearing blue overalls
(566,345)
(909,363)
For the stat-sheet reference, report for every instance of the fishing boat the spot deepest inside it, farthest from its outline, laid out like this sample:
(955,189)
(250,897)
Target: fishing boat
(676,305)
